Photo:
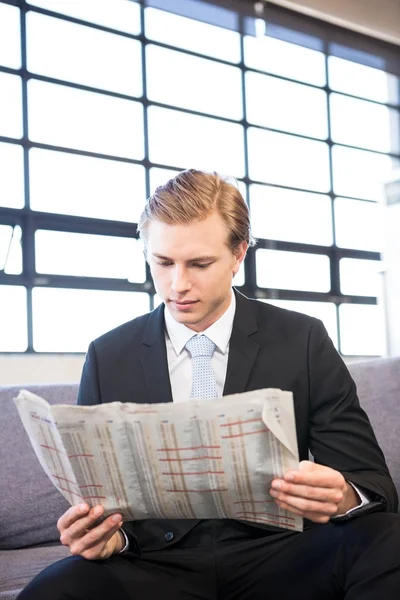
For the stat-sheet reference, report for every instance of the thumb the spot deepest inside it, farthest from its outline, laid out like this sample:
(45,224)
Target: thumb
(307,465)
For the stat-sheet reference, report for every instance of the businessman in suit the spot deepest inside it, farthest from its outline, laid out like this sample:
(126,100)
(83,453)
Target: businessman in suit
(196,233)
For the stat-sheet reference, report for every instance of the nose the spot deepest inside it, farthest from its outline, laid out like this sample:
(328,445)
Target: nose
(180,280)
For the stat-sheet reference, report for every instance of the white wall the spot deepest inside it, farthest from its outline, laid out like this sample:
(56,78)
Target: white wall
(377,18)
(16,369)
(391,259)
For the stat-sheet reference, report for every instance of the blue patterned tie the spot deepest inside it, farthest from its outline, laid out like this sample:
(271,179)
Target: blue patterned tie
(201,349)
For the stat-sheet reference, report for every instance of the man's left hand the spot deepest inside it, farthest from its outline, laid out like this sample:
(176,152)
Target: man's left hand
(314,492)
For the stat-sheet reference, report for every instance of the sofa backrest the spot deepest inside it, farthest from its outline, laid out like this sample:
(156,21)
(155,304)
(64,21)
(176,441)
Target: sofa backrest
(30,505)
(378,387)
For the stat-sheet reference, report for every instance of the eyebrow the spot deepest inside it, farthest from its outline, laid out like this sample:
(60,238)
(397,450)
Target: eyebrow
(197,259)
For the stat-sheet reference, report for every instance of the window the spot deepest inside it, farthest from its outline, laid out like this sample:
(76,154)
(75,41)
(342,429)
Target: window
(305,117)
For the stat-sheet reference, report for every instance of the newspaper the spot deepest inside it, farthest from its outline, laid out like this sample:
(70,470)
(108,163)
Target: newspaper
(206,459)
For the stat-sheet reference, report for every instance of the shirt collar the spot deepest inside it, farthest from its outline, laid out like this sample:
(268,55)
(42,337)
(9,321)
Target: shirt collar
(219,332)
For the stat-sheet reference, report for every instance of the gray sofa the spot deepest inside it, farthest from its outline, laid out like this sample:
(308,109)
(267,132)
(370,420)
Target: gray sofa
(30,504)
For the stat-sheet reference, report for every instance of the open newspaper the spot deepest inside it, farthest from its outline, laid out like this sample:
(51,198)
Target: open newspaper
(199,459)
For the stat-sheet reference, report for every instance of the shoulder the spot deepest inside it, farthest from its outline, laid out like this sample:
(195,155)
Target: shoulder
(131,333)
(279,319)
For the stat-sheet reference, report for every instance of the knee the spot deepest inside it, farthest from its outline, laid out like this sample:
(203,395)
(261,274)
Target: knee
(62,579)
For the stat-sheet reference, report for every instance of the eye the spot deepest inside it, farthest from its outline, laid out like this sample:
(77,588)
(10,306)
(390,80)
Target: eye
(201,265)
(164,263)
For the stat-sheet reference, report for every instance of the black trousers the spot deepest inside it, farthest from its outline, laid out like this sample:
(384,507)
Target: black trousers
(358,559)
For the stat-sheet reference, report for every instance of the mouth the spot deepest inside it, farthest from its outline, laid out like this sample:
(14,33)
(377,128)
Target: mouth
(183,304)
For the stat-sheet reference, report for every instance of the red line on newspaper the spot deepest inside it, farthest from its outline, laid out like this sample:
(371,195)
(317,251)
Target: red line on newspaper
(194,458)
(197,473)
(77,455)
(247,512)
(70,491)
(86,497)
(241,422)
(64,479)
(188,448)
(200,491)
(51,448)
(226,437)
(90,485)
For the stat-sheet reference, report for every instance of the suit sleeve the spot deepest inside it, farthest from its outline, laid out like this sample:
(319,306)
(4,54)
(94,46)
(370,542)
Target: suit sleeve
(341,435)
(89,391)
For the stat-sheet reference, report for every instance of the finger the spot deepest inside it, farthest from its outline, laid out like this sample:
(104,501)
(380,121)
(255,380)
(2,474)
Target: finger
(322,494)
(93,543)
(81,526)
(315,517)
(71,515)
(327,477)
(304,505)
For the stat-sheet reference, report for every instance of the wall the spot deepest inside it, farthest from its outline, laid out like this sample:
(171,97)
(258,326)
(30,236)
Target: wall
(391,258)
(377,18)
(46,368)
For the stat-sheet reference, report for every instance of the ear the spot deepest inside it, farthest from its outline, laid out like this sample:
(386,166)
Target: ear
(240,254)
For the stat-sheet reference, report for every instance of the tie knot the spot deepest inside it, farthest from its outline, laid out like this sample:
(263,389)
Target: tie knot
(200,345)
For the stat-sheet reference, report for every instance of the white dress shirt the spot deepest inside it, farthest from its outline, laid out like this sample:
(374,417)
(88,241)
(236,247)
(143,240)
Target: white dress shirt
(179,360)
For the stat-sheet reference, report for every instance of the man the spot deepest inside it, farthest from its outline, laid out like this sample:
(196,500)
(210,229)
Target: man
(196,233)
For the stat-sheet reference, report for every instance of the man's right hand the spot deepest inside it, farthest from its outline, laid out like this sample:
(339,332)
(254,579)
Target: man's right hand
(79,531)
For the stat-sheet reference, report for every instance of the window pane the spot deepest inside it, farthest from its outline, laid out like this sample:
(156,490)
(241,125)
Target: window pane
(113,62)
(95,187)
(207,86)
(11,176)
(357,338)
(282,58)
(358,224)
(10,105)
(10,249)
(360,173)
(13,319)
(280,214)
(292,271)
(10,36)
(359,80)
(67,320)
(325,311)
(189,34)
(118,14)
(360,277)
(281,104)
(160,177)
(189,141)
(361,123)
(287,160)
(73,118)
(86,255)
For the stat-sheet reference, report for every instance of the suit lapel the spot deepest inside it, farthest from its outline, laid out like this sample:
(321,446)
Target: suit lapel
(243,349)
(154,358)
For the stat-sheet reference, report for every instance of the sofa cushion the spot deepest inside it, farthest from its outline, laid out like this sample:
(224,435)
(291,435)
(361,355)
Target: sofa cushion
(30,504)
(378,386)
(18,567)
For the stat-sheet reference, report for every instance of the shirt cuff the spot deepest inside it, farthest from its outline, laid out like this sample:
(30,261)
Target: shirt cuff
(125,548)
(364,501)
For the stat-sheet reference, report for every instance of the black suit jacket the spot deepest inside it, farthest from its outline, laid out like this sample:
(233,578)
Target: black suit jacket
(269,347)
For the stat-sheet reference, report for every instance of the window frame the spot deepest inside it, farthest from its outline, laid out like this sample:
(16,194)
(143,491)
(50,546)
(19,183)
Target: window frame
(279,20)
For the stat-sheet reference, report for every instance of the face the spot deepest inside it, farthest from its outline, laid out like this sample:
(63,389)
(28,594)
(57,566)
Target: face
(192,269)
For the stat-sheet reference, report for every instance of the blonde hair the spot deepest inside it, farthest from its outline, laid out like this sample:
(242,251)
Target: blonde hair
(192,196)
